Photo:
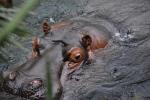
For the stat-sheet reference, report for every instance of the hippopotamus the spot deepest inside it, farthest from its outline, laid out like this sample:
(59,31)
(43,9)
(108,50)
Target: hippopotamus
(102,54)
(28,80)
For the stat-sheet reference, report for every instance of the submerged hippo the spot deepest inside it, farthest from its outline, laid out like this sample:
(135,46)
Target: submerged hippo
(78,47)
(117,68)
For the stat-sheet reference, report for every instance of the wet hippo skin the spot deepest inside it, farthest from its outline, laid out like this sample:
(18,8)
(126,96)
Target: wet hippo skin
(120,71)
(28,80)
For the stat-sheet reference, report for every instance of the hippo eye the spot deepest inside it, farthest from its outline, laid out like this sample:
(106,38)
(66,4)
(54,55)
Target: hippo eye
(76,55)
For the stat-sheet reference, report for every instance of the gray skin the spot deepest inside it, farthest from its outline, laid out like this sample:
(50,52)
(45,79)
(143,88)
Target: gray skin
(121,70)
(17,80)
(20,85)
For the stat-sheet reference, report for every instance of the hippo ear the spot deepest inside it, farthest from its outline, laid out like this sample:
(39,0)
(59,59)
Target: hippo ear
(86,41)
(36,41)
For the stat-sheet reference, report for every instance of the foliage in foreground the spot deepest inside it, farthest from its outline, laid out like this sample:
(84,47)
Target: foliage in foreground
(10,20)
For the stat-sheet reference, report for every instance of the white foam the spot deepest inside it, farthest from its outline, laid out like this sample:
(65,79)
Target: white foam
(117,34)
(51,20)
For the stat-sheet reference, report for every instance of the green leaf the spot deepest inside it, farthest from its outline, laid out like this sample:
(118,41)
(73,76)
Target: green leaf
(19,31)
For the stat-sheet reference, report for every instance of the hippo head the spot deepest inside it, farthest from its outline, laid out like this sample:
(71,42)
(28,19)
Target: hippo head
(21,84)
(29,80)
(80,43)
(72,55)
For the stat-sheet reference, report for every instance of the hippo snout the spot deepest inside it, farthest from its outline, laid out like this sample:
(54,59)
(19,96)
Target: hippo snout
(15,84)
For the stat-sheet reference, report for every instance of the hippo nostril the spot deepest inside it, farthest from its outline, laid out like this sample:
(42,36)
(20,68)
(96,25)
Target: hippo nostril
(36,83)
(12,76)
